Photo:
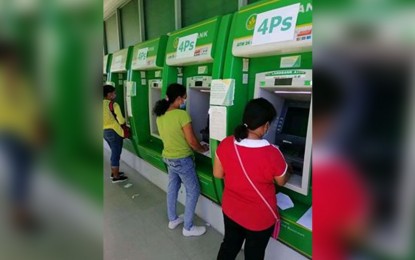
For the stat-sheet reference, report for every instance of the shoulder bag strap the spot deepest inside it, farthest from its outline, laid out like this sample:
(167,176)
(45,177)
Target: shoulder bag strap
(252,184)
(111,106)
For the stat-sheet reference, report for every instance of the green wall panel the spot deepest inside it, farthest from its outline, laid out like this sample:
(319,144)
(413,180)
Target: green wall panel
(196,11)
(158,18)
(130,23)
(112,34)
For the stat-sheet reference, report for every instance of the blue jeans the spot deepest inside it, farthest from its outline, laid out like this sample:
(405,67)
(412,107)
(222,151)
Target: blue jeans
(115,142)
(20,157)
(182,170)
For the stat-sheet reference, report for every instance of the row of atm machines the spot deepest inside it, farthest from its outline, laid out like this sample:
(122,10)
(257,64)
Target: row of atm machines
(250,47)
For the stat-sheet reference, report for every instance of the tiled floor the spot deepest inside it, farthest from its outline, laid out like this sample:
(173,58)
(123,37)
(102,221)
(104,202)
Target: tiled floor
(135,224)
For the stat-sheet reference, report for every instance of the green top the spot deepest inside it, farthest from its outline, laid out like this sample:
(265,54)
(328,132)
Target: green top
(170,126)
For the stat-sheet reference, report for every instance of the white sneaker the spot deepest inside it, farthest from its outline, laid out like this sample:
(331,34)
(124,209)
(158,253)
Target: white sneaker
(194,231)
(173,224)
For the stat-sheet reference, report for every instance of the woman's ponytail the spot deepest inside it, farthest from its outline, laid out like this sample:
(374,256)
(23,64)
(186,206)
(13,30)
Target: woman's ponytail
(174,90)
(161,107)
(241,132)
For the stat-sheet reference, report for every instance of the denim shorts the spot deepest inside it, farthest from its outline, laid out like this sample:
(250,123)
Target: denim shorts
(115,142)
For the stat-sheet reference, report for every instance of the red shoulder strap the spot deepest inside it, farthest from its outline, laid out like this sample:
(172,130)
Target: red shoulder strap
(111,106)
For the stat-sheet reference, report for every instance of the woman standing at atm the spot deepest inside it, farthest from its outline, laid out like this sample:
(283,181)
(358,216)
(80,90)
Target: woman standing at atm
(246,216)
(176,132)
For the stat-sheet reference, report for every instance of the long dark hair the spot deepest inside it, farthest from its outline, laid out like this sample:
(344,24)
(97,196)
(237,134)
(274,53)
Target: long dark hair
(257,112)
(173,91)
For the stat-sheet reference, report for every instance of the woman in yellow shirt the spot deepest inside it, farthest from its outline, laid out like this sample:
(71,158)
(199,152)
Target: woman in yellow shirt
(113,132)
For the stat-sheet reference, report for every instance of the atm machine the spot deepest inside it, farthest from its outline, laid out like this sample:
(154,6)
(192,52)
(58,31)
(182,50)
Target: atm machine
(145,86)
(269,55)
(194,57)
(119,67)
(290,93)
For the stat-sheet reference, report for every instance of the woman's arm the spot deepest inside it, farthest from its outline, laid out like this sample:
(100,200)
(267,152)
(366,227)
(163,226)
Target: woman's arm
(192,140)
(282,179)
(217,168)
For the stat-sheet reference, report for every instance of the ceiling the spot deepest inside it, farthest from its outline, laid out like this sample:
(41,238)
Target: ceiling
(111,5)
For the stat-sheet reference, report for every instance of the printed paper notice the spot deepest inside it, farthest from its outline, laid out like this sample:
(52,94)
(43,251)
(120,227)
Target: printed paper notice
(283,201)
(142,74)
(245,78)
(133,91)
(130,90)
(245,65)
(179,71)
(222,92)
(217,122)
(157,74)
(129,109)
(307,219)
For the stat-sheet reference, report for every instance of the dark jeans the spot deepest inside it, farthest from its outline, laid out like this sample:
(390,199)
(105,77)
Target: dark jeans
(115,142)
(19,156)
(255,244)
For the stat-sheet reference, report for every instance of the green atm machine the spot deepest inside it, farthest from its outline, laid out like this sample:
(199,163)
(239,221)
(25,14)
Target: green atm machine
(269,54)
(145,85)
(194,57)
(118,76)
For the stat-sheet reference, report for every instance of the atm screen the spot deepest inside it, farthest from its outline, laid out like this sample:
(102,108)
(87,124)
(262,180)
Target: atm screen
(199,83)
(295,122)
(287,81)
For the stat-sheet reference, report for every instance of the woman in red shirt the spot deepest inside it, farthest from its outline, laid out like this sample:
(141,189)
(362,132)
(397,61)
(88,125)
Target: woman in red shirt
(246,216)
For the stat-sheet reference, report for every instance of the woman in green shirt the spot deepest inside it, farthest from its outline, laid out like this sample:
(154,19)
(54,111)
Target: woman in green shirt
(175,128)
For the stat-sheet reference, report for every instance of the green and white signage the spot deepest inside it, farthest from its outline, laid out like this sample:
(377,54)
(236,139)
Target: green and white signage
(192,44)
(186,46)
(272,27)
(149,55)
(119,61)
(142,57)
(277,25)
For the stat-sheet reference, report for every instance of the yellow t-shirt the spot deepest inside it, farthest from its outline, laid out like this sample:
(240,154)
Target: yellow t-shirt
(170,126)
(19,109)
(109,121)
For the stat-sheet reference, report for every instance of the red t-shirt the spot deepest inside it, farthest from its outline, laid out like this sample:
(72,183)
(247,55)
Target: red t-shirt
(262,162)
(340,203)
